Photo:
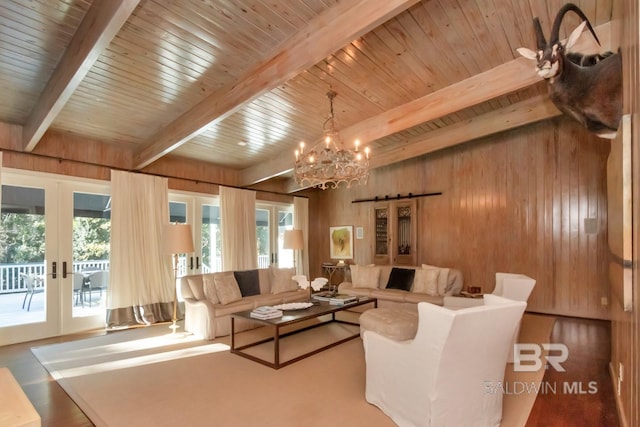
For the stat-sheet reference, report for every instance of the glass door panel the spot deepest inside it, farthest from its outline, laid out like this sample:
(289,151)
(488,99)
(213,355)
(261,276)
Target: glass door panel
(285,222)
(203,213)
(211,247)
(23,253)
(178,214)
(404,230)
(84,231)
(263,235)
(28,288)
(271,221)
(91,245)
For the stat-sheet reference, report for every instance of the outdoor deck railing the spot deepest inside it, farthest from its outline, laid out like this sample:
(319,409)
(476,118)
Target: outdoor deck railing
(10,280)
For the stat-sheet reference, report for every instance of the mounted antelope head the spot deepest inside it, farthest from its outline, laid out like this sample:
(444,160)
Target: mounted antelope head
(586,87)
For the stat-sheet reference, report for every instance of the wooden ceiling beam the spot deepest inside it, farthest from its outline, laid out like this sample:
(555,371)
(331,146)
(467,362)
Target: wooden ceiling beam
(522,113)
(324,35)
(526,112)
(506,78)
(101,23)
(501,80)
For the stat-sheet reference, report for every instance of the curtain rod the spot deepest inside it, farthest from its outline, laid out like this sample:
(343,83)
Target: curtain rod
(83,162)
(396,197)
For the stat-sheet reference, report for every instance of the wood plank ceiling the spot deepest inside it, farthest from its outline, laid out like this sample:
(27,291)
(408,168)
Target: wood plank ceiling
(194,78)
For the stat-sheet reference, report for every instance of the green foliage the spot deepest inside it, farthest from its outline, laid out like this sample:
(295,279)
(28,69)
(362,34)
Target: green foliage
(91,238)
(263,239)
(208,258)
(22,238)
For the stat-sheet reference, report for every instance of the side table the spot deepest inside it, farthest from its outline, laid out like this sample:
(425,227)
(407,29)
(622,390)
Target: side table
(330,269)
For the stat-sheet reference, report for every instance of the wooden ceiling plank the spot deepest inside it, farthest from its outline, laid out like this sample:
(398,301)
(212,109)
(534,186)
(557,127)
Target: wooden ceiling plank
(513,116)
(101,23)
(505,78)
(499,81)
(321,37)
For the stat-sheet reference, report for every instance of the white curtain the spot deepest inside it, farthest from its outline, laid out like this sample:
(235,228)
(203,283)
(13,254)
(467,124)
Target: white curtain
(141,286)
(238,229)
(301,222)
(0,178)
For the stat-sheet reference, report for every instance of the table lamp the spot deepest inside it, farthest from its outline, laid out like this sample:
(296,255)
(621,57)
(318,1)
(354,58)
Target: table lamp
(176,240)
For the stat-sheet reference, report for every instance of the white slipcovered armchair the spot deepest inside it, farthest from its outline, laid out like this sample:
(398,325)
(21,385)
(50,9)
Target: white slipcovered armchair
(516,287)
(442,376)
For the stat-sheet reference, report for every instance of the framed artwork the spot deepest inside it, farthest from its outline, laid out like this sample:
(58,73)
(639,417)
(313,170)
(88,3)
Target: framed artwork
(341,242)
(359,233)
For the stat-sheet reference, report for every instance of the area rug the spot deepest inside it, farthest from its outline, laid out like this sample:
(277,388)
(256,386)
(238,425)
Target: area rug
(146,377)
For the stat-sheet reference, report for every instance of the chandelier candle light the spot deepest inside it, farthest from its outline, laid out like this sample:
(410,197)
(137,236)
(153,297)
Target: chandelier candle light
(330,163)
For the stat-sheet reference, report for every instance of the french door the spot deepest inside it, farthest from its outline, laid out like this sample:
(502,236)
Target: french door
(203,213)
(271,221)
(54,235)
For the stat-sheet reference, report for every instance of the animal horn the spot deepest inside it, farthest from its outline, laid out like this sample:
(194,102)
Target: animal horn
(555,30)
(542,42)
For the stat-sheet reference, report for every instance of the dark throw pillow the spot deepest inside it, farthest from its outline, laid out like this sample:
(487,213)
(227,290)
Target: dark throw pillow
(401,278)
(248,282)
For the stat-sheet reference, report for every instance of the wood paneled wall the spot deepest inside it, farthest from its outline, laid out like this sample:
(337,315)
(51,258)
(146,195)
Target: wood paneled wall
(625,325)
(515,202)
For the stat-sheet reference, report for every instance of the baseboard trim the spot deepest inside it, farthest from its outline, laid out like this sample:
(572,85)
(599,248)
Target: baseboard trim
(619,408)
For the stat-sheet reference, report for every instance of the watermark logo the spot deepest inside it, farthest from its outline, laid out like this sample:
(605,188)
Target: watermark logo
(528,357)
(544,387)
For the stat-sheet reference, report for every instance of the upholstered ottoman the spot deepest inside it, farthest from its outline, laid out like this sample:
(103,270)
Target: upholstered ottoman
(394,323)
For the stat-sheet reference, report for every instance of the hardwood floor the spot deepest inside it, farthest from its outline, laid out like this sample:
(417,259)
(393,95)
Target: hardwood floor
(588,342)
(56,409)
(583,394)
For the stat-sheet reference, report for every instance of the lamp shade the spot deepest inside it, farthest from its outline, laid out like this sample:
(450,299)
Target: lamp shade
(293,239)
(176,239)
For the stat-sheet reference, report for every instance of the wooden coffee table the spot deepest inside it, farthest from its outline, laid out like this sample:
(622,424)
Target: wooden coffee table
(318,310)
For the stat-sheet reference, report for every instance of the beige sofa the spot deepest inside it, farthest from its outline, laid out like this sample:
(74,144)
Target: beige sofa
(210,299)
(429,284)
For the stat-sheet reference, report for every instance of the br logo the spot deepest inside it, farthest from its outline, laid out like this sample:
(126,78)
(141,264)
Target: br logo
(528,357)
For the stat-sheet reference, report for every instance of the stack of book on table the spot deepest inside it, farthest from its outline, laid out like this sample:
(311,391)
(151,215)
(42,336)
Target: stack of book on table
(340,299)
(323,296)
(266,312)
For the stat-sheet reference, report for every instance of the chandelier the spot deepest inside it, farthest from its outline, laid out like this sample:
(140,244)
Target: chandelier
(329,162)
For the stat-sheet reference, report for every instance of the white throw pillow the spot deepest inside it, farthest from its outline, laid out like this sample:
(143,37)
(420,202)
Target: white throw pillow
(365,276)
(227,288)
(426,281)
(209,286)
(443,278)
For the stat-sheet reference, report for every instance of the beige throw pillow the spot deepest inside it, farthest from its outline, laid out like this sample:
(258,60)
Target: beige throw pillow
(281,280)
(195,284)
(227,288)
(209,286)
(426,281)
(365,276)
(443,277)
